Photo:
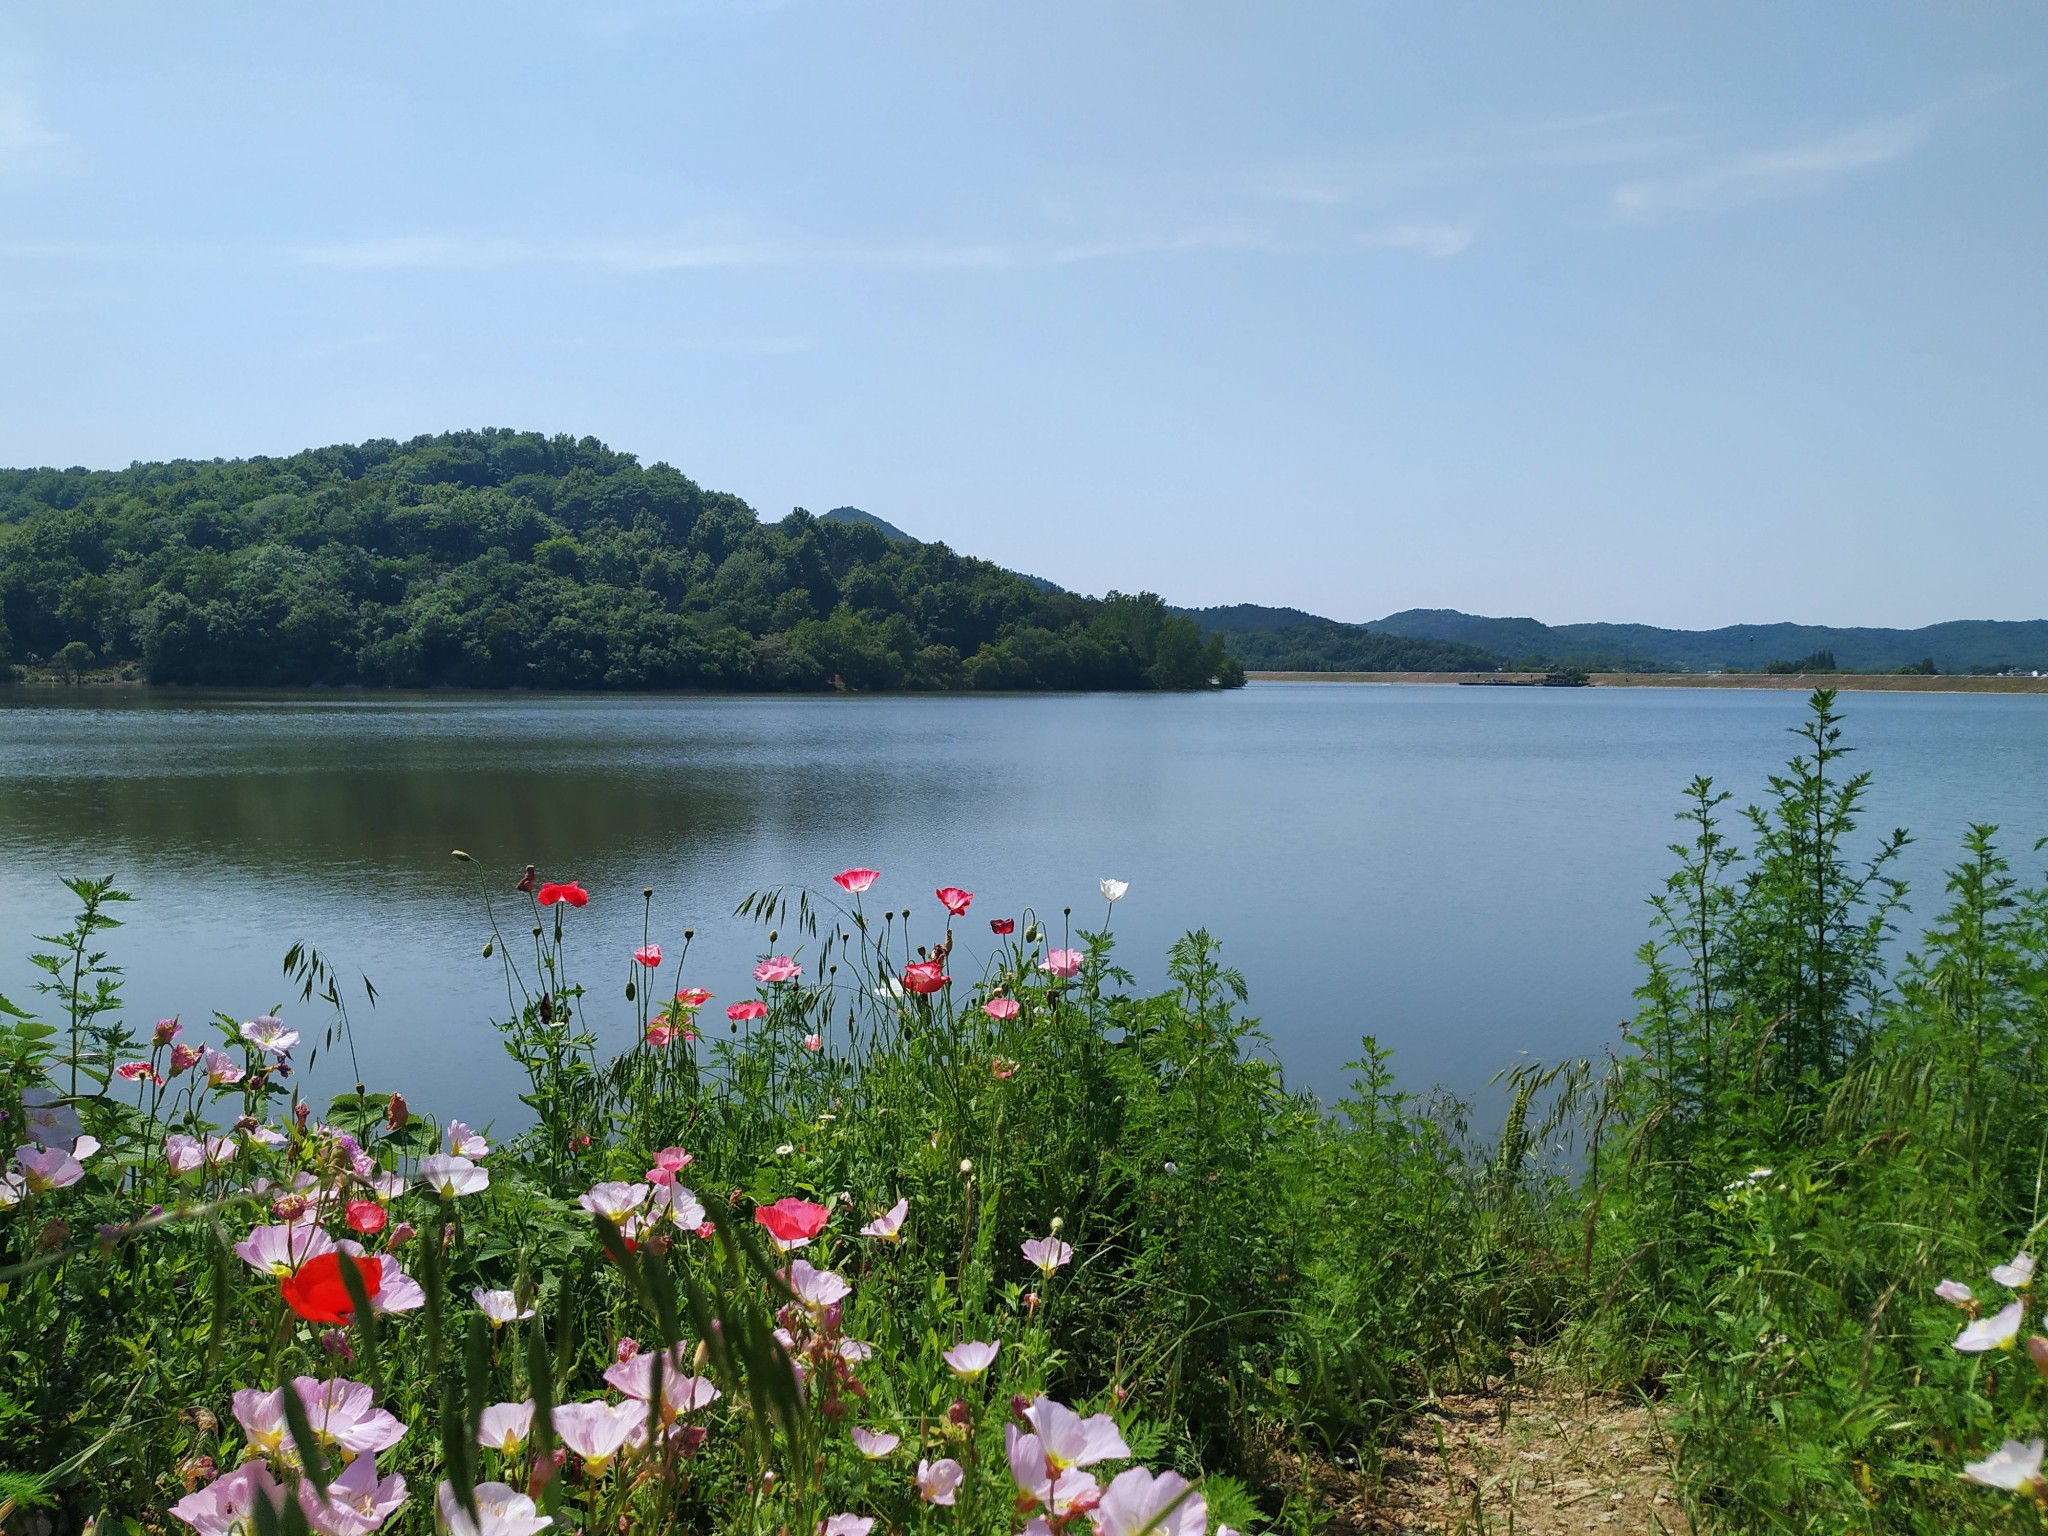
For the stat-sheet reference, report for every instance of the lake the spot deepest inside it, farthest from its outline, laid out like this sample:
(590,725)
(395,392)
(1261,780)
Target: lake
(1459,871)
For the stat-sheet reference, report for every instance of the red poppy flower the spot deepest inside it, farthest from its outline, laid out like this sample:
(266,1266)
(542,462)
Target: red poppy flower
(693,997)
(791,1220)
(650,956)
(366,1216)
(316,1291)
(1002,925)
(956,900)
(753,1008)
(925,977)
(566,890)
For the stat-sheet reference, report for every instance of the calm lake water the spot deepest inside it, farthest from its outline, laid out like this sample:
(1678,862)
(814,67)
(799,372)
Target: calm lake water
(1461,872)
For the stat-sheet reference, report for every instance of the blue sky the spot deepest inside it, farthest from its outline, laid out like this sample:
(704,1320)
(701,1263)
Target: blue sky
(1683,314)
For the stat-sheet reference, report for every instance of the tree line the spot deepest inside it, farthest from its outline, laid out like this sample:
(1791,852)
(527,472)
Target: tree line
(501,559)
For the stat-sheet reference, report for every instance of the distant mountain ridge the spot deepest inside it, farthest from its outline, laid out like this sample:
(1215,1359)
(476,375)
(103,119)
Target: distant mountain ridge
(1291,639)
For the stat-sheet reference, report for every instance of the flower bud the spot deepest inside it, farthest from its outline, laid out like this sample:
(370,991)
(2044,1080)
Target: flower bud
(967,1165)
(396,1114)
(957,1414)
(489,945)
(457,853)
(1058,1223)
(55,1234)
(167,1030)
(2037,1351)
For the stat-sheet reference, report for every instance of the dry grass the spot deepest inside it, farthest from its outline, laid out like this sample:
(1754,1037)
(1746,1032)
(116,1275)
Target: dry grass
(1528,1458)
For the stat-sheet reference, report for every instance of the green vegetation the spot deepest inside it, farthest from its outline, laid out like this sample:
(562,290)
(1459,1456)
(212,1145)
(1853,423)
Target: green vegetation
(1744,1216)
(502,559)
(1326,647)
(1820,661)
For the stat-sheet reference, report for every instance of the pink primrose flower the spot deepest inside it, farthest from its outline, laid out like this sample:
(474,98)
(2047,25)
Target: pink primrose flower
(2017,1275)
(1997,1331)
(1072,1441)
(281,1249)
(1956,1292)
(504,1511)
(596,1430)
(184,1058)
(2015,1467)
(464,1142)
(357,1501)
(166,1031)
(505,1426)
(222,1070)
(846,1525)
(676,1203)
(889,1225)
(226,1504)
(342,1413)
(938,1481)
(451,1177)
(182,1153)
(971,1358)
(269,1035)
(1060,1491)
(874,1444)
(501,1307)
(1141,1503)
(1048,1253)
(615,1201)
(817,1288)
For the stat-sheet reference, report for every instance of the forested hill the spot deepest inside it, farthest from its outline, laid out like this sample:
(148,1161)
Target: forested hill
(499,559)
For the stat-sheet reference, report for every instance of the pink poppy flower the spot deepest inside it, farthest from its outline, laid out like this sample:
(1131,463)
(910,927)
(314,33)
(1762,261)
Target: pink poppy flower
(136,1071)
(596,1430)
(1141,1503)
(184,1058)
(650,956)
(777,968)
(660,1036)
(357,1501)
(814,1042)
(970,1359)
(1048,1253)
(854,881)
(367,1217)
(693,997)
(503,1511)
(51,1168)
(505,1426)
(954,899)
(1000,1008)
(925,977)
(792,1222)
(872,1444)
(1003,1068)
(889,1225)
(938,1481)
(752,1008)
(1002,926)
(564,890)
(1063,963)
(668,1162)
(227,1503)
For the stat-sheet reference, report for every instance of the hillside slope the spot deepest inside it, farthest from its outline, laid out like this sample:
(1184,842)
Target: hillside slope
(500,559)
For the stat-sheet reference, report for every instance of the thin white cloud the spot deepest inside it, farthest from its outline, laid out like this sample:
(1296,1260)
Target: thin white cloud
(1796,170)
(1438,240)
(25,139)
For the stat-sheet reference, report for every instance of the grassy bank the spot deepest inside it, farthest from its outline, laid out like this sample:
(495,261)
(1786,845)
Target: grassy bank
(946,1226)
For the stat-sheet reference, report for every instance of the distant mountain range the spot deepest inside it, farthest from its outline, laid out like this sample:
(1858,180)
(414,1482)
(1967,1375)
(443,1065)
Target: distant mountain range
(1446,640)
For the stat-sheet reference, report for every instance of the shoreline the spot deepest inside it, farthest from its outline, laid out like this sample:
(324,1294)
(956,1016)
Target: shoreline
(1804,682)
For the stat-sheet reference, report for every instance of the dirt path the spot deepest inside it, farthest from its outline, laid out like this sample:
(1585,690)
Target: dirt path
(1523,1461)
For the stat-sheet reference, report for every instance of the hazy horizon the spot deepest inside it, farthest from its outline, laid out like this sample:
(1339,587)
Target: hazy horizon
(1687,319)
